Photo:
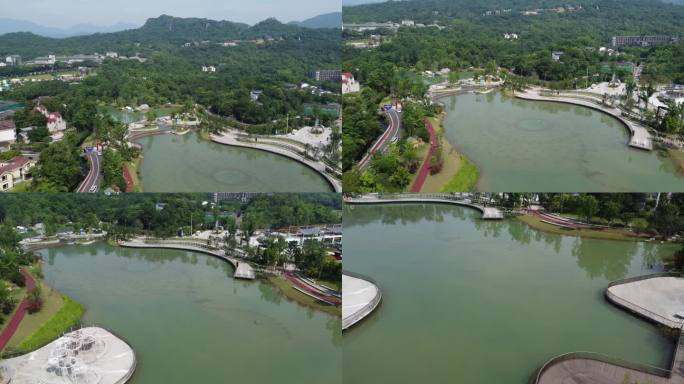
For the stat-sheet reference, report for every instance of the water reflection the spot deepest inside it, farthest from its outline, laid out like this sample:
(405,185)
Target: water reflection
(604,259)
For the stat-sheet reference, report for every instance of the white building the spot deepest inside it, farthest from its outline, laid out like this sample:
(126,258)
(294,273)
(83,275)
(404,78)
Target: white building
(56,123)
(8,134)
(208,69)
(349,84)
(408,23)
(112,55)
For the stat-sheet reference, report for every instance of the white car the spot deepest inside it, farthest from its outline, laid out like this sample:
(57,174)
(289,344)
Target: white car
(93,189)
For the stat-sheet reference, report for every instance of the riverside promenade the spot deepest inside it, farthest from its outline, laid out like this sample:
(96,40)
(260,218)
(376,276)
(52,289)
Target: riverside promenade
(640,137)
(230,138)
(488,213)
(360,297)
(655,298)
(425,167)
(242,269)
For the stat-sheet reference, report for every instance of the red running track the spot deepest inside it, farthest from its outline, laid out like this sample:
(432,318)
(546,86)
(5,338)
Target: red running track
(425,168)
(301,285)
(12,326)
(128,178)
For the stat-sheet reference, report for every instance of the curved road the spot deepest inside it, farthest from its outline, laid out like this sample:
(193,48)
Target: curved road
(385,139)
(94,172)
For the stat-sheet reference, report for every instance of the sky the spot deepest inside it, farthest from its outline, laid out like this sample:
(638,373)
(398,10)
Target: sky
(65,13)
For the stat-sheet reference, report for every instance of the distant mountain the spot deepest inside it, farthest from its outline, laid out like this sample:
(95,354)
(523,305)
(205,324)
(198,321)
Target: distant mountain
(328,20)
(14,25)
(357,2)
(163,32)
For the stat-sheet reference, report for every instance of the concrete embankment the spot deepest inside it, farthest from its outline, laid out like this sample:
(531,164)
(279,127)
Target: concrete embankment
(360,297)
(242,269)
(291,153)
(656,298)
(639,136)
(488,213)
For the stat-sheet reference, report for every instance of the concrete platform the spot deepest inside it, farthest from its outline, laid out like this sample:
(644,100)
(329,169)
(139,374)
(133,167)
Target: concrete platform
(657,298)
(96,356)
(360,297)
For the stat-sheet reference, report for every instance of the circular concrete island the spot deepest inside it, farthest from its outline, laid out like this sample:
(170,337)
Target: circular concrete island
(360,297)
(86,356)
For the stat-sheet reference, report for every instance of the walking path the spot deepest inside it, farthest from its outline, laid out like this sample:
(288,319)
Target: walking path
(242,269)
(640,137)
(425,168)
(313,290)
(654,297)
(360,297)
(231,138)
(18,316)
(488,213)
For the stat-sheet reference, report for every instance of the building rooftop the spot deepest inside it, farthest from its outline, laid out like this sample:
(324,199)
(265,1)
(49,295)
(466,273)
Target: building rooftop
(11,165)
(7,124)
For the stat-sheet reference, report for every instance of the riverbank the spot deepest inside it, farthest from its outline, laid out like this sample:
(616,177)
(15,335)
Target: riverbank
(458,174)
(605,234)
(287,289)
(132,174)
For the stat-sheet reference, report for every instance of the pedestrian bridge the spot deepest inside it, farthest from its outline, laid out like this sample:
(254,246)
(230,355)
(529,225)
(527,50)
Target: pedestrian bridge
(488,213)
(652,297)
(242,269)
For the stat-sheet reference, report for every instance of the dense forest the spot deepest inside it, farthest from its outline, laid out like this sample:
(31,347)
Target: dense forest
(141,213)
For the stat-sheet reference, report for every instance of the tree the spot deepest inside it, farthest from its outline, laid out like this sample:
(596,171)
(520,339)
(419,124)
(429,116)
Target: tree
(588,206)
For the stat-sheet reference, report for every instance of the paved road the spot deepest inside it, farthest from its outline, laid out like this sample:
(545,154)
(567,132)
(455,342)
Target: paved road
(385,139)
(93,177)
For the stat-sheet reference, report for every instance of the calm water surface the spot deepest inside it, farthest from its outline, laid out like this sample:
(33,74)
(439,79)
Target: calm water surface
(522,145)
(189,164)
(468,301)
(191,322)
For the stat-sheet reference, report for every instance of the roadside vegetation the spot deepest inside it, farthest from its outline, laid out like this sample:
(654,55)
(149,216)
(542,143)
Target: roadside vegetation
(66,318)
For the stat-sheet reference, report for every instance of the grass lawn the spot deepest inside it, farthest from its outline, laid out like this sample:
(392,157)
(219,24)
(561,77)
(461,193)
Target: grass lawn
(66,317)
(608,234)
(292,294)
(336,285)
(466,178)
(677,158)
(21,187)
(133,167)
(52,302)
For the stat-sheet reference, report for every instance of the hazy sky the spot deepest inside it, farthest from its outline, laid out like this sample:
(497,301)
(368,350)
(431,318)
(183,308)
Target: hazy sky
(64,13)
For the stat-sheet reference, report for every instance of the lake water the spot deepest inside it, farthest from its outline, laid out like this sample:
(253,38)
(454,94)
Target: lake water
(469,301)
(187,163)
(522,145)
(189,321)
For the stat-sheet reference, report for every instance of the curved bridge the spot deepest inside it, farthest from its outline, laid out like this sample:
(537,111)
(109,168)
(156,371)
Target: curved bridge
(488,213)
(639,136)
(283,150)
(242,269)
(587,367)
(360,296)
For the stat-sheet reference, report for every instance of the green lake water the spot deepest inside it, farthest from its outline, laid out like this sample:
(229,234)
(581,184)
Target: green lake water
(469,301)
(187,163)
(189,321)
(522,145)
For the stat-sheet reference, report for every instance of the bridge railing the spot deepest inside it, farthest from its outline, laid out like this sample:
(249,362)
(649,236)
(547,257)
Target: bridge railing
(649,369)
(639,309)
(366,309)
